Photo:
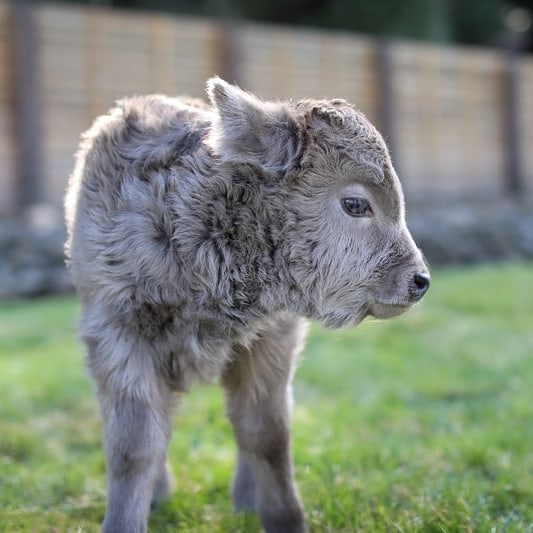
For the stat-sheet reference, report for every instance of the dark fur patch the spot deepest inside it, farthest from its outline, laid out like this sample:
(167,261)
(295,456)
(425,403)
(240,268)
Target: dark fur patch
(151,320)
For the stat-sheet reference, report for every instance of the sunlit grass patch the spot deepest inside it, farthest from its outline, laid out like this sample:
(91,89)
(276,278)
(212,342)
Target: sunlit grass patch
(423,423)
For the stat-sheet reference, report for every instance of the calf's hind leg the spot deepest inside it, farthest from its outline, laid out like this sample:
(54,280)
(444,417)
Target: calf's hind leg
(258,400)
(164,483)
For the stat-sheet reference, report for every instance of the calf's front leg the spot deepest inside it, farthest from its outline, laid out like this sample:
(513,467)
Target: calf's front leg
(258,399)
(136,434)
(136,410)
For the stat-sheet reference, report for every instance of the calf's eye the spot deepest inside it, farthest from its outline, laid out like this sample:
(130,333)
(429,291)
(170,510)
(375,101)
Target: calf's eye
(356,206)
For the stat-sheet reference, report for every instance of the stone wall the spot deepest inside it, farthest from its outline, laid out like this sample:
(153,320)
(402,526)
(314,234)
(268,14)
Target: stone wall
(31,260)
(473,232)
(32,263)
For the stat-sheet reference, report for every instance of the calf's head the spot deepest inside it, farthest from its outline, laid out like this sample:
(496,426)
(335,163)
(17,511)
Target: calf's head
(349,250)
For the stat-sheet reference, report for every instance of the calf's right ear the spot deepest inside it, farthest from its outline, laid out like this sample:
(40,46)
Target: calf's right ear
(249,130)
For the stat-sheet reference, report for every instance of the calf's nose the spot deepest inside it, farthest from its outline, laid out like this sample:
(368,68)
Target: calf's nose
(421,282)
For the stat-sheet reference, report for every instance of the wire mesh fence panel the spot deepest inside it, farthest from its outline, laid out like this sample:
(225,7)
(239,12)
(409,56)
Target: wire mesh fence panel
(445,115)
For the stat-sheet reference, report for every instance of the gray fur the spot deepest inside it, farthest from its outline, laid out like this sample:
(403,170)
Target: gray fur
(200,237)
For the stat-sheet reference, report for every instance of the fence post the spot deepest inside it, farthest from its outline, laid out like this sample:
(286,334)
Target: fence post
(226,40)
(386,112)
(227,50)
(24,98)
(510,119)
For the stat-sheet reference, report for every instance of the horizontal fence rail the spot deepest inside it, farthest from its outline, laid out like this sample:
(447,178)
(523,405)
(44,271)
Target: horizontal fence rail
(458,120)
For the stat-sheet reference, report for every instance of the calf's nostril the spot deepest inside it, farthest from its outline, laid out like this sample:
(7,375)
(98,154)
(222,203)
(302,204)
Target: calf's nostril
(421,283)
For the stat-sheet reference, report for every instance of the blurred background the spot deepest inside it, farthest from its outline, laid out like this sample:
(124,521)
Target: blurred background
(448,82)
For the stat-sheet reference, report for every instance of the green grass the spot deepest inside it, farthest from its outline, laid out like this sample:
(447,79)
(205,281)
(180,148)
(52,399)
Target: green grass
(422,423)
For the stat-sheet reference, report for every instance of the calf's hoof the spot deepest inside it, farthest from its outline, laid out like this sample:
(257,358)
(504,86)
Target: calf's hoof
(290,522)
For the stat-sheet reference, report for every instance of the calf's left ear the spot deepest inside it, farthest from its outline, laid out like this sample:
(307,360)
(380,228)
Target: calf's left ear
(249,130)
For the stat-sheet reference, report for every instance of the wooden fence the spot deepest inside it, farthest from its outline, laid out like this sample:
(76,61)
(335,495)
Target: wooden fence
(459,120)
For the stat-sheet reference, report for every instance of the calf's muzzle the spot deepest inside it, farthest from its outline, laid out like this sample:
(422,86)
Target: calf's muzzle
(421,281)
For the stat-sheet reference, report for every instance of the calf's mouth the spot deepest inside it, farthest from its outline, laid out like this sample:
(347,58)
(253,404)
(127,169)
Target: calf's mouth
(387,310)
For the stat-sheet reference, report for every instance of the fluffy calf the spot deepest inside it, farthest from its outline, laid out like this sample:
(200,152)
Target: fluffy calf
(200,237)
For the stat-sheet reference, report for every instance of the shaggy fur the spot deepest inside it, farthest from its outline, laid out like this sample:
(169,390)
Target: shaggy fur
(200,237)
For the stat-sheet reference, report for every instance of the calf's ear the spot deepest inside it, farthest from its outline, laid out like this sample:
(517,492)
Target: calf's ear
(248,130)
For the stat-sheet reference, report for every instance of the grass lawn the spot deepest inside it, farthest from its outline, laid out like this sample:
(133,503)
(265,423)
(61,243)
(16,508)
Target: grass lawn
(422,423)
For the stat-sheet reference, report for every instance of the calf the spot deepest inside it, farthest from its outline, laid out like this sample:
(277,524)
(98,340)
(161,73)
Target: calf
(200,238)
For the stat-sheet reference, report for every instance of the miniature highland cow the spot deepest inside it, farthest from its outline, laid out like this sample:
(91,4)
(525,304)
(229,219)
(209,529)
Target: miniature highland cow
(200,239)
